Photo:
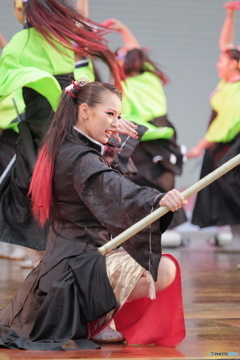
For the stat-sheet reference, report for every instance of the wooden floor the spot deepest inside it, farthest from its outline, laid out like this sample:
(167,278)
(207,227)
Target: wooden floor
(211,292)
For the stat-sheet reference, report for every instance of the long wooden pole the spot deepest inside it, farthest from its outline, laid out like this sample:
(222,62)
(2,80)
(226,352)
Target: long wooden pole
(128,233)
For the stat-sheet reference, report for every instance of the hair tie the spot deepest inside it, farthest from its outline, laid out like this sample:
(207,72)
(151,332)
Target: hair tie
(74,88)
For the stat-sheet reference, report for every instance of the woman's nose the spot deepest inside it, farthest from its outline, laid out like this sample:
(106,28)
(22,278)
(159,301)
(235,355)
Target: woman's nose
(115,122)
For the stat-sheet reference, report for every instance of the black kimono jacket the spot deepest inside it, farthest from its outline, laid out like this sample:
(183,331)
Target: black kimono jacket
(107,201)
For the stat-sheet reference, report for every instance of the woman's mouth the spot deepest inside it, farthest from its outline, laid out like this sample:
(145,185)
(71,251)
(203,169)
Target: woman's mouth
(108,133)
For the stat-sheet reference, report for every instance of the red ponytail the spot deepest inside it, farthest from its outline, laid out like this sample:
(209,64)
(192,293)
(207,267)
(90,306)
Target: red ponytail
(40,189)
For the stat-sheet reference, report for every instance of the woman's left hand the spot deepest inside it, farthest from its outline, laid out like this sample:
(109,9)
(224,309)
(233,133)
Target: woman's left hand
(173,200)
(125,127)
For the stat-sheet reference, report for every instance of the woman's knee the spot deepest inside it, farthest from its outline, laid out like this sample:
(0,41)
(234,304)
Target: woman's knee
(166,273)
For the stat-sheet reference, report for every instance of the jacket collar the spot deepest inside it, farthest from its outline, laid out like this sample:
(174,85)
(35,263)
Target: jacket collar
(91,142)
(108,150)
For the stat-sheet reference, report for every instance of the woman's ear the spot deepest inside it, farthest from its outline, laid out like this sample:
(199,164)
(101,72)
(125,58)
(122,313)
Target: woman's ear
(84,111)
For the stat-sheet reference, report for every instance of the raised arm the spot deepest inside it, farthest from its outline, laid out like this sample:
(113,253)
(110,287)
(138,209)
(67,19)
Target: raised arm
(226,39)
(3,41)
(82,7)
(130,41)
(199,149)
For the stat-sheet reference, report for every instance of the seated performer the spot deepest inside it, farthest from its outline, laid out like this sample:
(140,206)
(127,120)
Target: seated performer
(74,292)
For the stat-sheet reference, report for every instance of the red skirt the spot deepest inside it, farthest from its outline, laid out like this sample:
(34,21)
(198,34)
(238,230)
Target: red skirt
(159,321)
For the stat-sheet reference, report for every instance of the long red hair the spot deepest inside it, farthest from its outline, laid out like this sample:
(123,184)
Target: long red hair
(59,20)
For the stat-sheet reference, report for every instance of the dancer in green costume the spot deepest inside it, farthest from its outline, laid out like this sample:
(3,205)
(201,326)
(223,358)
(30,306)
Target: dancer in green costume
(40,60)
(8,138)
(157,157)
(219,203)
(226,41)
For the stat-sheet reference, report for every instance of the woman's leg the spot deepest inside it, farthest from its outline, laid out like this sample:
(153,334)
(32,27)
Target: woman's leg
(166,276)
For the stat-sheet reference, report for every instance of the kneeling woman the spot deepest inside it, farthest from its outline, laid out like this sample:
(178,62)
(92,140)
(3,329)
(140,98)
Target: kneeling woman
(74,292)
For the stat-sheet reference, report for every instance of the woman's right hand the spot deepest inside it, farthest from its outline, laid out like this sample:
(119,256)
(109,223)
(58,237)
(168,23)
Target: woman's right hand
(125,127)
(173,200)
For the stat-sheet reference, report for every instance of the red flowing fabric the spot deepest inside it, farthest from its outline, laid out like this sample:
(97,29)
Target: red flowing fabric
(159,321)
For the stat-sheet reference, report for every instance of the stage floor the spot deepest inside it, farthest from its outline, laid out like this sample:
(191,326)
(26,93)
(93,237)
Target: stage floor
(211,293)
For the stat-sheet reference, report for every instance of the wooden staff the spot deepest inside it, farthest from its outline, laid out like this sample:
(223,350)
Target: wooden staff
(128,233)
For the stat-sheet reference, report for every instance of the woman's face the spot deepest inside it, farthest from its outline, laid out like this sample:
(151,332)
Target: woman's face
(100,121)
(225,66)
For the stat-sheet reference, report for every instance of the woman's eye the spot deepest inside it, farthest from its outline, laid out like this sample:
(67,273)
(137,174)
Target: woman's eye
(110,113)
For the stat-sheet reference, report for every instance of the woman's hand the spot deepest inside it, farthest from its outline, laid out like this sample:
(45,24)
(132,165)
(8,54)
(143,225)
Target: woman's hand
(125,127)
(232,5)
(130,41)
(114,24)
(195,152)
(199,149)
(173,200)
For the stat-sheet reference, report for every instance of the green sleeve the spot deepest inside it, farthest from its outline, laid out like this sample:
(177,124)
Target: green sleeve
(143,100)
(29,60)
(226,126)
(157,133)
(8,112)
(14,76)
